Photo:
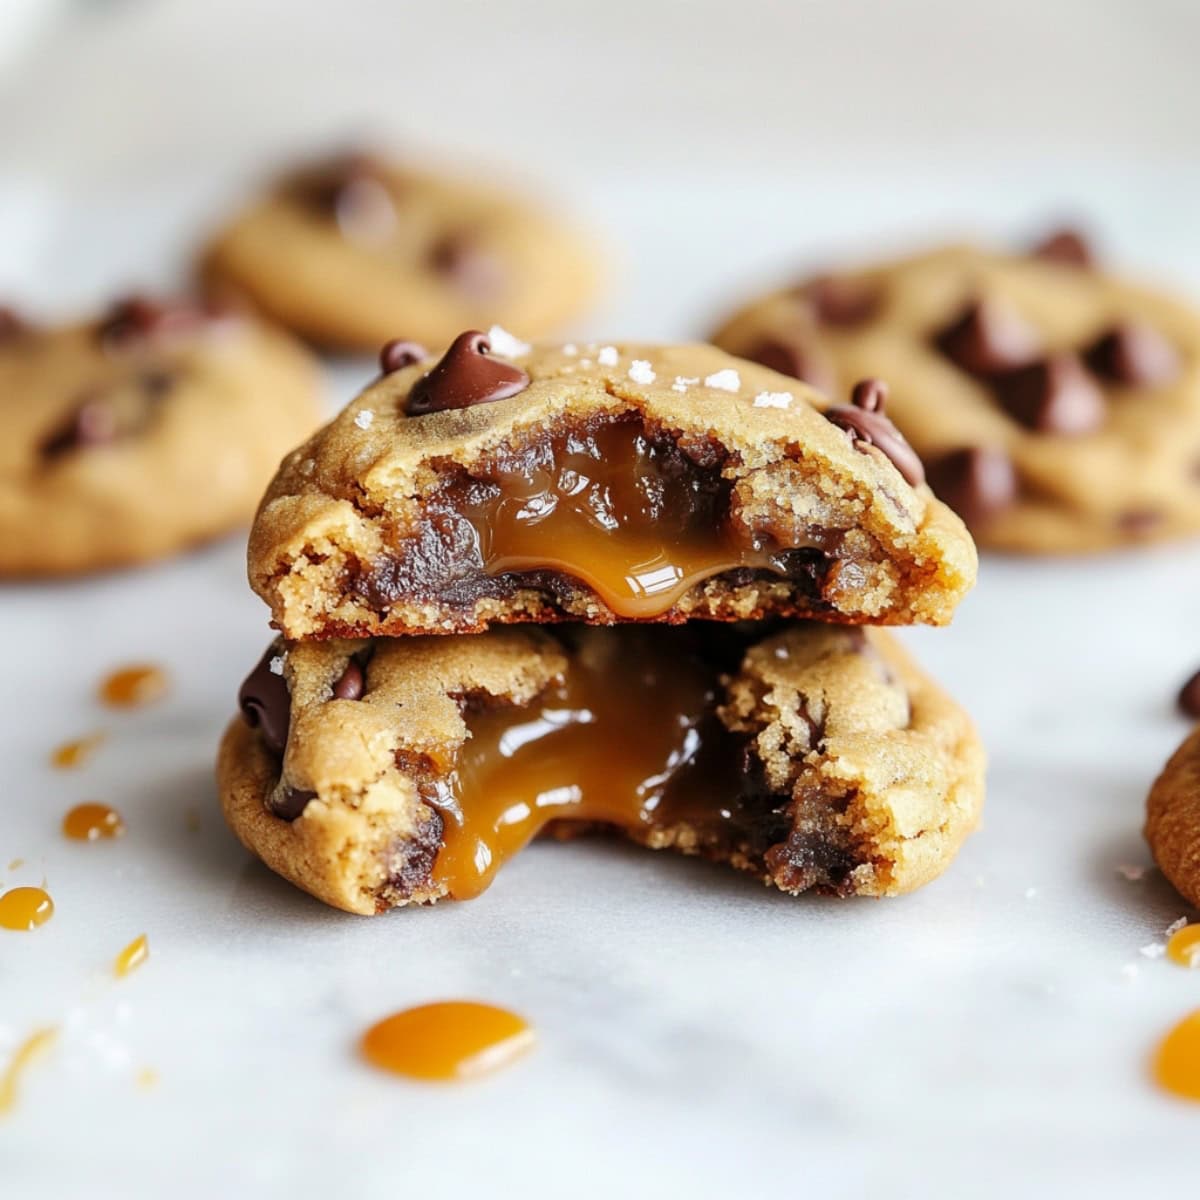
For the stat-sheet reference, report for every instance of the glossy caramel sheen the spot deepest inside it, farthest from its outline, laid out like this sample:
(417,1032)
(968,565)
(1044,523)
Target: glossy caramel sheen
(132,956)
(452,1040)
(28,1052)
(25,908)
(1184,946)
(1177,1063)
(626,515)
(131,687)
(89,822)
(628,732)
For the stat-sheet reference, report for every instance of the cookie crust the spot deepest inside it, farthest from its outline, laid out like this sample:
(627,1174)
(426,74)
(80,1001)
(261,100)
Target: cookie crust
(1173,819)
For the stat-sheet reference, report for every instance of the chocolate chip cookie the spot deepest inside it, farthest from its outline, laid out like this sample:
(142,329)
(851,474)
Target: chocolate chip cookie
(384,772)
(1056,407)
(504,483)
(1173,819)
(347,251)
(132,436)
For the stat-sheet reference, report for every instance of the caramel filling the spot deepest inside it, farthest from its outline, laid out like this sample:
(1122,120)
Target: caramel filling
(608,506)
(629,739)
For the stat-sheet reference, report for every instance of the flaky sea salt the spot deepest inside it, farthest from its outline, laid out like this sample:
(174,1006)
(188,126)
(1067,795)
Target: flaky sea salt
(640,371)
(727,380)
(1131,872)
(364,419)
(1153,950)
(1176,926)
(773,400)
(570,349)
(276,665)
(607,357)
(504,344)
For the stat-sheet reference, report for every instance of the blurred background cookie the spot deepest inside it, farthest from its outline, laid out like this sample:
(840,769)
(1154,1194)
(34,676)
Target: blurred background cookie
(355,249)
(139,433)
(1055,406)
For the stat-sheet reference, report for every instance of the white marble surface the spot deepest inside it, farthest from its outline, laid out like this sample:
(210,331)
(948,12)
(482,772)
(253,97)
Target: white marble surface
(698,1036)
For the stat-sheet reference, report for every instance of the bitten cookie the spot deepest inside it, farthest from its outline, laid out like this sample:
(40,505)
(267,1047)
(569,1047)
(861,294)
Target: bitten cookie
(135,435)
(347,251)
(1056,408)
(381,773)
(509,483)
(1173,819)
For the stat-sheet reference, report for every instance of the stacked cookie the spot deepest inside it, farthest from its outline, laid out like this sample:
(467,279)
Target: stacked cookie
(628,587)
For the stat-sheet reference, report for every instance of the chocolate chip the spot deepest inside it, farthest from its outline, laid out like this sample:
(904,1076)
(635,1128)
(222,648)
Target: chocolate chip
(1134,353)
(351,684)
(864,420)
(1056,395)
(467,375)
(460,258)
(978,482)
(11,325)
(136,318)
(790,356)
(1139,522)
(840,300)
(101,417)
(92,423)
(400,353)
(988,338)
(290,802)
(1066,246)
(266,703)
(1189,698)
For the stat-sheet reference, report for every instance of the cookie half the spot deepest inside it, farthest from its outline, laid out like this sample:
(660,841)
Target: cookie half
(140,433)
(1173,819)
(386,772)
(347,251)
(1056,407)
(507,483)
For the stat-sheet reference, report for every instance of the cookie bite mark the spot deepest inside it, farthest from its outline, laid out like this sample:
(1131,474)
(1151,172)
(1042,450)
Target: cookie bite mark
(813,759)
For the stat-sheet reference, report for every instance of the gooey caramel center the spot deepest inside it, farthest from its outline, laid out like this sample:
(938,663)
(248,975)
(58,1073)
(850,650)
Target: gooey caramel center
(625,513)
(628,738)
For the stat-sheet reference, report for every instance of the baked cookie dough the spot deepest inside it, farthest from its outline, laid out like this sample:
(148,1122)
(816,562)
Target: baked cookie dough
(387,772)
(138,434)
(350,251)
(602,483)
(1056,407)
(1173,819)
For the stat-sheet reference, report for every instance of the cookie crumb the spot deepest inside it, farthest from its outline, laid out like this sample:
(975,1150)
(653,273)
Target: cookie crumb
(1153,950)
(1131,872)
(504,344)
(640,371)
(773,400)
(727,380)
(365,419)
(276,665)
(608,356)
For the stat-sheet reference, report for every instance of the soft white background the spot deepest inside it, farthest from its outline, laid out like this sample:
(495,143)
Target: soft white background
(699,1036)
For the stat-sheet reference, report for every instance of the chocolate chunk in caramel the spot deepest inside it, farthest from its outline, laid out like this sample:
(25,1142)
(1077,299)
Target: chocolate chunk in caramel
(864,420)
(1134,354)
(1056,395)
(467,375)
(988,338)
(978,482)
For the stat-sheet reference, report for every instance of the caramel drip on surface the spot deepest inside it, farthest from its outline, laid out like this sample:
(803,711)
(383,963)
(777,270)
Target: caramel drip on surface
(613,509)
(73,754)
(452,1040)
(1177,1063)
(628,732)
(1184,946)
(25,908)
(90,822)
(28,1052)
(132,956)
(131,687)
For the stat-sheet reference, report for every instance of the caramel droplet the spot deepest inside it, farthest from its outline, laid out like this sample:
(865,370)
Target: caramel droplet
(28,1052)
(1184,946)
(131,687)
(132,956)
(89,822)
(74,754)
(453,1040)
(1177,1063)
(25,908)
